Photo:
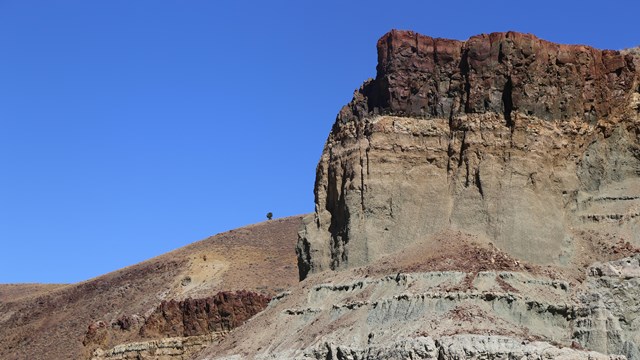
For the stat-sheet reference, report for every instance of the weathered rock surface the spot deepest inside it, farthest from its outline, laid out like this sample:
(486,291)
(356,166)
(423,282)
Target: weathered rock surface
(523,142)
(608,309)
(191,317)
(179,328)
(481,199)
(473,347)
(448,315)
(459,347)
(178,348)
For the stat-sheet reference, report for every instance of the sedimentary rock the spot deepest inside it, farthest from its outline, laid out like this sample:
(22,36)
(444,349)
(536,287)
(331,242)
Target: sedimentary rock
(178,329)
(177,348)
(481,201)
(518,140)
(469,347)
(451,315)
(191,317)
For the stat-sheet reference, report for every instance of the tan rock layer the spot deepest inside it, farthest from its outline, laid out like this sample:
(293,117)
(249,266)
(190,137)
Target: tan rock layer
(177,348)
(520,141)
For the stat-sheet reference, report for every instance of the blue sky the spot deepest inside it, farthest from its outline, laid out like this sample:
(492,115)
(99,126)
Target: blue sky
(131,128)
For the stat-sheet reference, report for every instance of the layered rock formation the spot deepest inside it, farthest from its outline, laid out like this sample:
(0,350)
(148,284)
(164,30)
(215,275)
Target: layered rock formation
(177,348)
(487,306)
(462,347)
(522,142)
(481,199)
(454,315)
(190,317)
(179,328)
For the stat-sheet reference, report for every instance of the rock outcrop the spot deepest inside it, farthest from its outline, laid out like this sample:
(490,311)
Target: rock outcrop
(469,347)
(178,328)
(482,201)
(178,348)
(450,315)
(525,143)
(191,317)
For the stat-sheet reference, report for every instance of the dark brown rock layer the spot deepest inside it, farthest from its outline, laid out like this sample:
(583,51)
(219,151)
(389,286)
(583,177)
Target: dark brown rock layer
(419,76)
(219,313)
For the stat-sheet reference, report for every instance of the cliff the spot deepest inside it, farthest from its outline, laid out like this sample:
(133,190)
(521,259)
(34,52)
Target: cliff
(447,315)
(191,317)
(481,200)
(523,142)
(178,329)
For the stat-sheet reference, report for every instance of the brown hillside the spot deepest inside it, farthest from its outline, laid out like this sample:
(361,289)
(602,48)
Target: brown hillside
(13,292)
(50,321)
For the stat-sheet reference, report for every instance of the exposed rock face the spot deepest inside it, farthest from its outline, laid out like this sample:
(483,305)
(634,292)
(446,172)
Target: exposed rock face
(468,347)
(178,348)
(608,310)
(451,315)
(191,317)
(179,328)
(518,140)
(472,347)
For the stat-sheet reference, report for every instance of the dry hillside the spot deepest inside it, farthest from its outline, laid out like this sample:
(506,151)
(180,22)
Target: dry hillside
(50,321)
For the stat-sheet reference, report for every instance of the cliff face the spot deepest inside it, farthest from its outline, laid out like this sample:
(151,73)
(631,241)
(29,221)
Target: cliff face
(449,315)
(178,328)
(522,142)
(481,199)
(419,76)
(191,317)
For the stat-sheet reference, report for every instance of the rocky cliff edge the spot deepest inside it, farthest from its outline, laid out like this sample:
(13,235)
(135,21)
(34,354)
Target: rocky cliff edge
(527,144)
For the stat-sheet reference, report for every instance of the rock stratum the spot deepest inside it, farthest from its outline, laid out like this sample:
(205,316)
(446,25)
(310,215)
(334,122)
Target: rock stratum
(179,328)
(451,297)
(521,141)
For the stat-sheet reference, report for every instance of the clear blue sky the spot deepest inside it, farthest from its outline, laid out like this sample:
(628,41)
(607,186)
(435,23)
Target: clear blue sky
(131,128)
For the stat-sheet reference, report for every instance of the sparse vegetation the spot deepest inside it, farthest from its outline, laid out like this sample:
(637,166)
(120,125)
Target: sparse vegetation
(269,215)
